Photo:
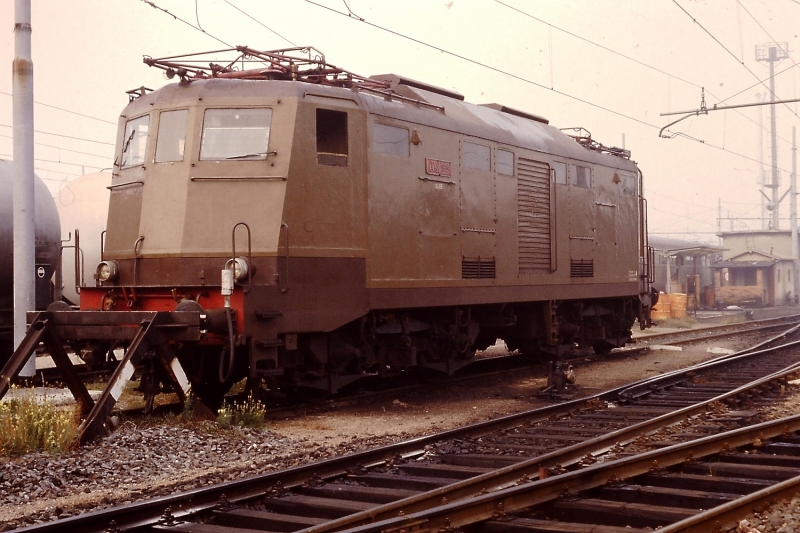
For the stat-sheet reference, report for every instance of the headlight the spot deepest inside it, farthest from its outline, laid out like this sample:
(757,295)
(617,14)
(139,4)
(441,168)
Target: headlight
(239,267)
(107,271)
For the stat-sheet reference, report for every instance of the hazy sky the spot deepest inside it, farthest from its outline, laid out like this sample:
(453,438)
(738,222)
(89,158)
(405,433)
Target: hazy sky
(609,66)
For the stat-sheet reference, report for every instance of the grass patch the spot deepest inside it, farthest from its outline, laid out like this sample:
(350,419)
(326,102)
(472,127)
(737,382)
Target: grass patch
(677,323)
(249,413)
(28,425)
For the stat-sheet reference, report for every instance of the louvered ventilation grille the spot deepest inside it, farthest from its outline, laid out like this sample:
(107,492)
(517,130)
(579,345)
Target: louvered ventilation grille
(533,215)
(581,268)
(477,268)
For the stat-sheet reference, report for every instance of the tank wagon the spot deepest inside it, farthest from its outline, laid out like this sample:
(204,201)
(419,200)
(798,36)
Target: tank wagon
(282,219)
(47,250)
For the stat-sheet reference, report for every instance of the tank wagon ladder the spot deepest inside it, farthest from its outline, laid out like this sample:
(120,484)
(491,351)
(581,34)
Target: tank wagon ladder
(145,331)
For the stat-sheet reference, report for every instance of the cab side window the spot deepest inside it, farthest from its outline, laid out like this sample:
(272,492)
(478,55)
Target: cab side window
(476,156)
(332,149)
(560,170)
(171,139)
(505,162)
(390,140)
(581,177)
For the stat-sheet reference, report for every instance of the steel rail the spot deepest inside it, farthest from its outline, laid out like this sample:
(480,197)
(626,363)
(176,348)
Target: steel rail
(484,507)
(530,469)
(674,377)
(717,330)
(190,502)
(728,514)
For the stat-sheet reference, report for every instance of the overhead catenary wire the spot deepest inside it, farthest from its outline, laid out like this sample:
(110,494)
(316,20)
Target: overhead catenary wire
(643,63)
(525,80)
(60,148)
(240,10)
(739,3)
(58,162)
(65,136)
(732,55)
(176,17)
(66,110)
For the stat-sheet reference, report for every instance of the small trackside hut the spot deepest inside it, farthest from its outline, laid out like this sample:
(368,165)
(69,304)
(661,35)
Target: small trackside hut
(276,218)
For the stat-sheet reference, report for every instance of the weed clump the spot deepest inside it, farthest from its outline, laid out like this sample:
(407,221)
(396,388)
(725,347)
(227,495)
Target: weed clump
(249,413)
(28,425)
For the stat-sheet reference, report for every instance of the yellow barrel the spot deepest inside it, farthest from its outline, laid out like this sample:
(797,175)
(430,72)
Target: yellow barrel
(678,305)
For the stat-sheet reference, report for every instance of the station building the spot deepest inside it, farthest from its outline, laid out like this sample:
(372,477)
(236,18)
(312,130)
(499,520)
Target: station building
(756,269)
(685,267)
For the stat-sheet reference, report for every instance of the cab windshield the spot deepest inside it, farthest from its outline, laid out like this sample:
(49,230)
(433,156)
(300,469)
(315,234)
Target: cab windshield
(134,144)
(237,134)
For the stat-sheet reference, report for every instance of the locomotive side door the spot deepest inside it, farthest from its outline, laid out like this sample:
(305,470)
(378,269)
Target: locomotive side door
(582,231)
(478,209)
(413,203)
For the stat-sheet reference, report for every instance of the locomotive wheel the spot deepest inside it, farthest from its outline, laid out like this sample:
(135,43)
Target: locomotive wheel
(602,348)
(527,347)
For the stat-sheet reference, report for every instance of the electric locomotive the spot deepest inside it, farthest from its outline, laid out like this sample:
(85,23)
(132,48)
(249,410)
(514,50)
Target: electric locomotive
(290,222)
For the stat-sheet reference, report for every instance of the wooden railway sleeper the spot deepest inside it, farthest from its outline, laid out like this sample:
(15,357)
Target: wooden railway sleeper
(508,475)
(518,497)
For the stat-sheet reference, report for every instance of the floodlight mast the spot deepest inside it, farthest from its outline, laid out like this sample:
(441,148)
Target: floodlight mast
(772,52)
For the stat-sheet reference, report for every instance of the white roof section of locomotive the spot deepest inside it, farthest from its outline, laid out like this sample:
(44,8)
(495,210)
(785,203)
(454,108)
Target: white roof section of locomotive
(459,116)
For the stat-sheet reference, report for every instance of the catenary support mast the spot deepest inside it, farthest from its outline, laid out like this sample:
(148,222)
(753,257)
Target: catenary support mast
(23,201)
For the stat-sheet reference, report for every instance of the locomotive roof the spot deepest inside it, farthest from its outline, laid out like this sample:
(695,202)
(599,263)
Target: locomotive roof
(434,108)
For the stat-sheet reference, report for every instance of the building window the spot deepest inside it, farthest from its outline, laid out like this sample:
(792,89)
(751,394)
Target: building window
(390,140)
(750,277)
(134,145)
(505,162)
(476,156)
(778,277)
(171,136)
(332,147)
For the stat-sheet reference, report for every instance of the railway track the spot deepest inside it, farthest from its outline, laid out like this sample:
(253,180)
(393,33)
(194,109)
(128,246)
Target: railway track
(471,463)
(718,331)
(481,368)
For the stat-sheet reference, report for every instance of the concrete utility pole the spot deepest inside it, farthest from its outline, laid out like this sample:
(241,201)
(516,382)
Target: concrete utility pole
(771,53)
(23,202)
(762,178)
(793,207)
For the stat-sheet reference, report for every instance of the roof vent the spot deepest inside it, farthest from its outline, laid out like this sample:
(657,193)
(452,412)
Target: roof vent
(517,112)
(395,80)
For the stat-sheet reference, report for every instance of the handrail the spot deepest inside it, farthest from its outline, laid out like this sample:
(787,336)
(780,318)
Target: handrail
(249,253)
(136,255)
(286,288)
(137,182)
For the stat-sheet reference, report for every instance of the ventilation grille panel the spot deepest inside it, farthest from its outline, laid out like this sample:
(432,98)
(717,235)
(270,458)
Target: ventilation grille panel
(533,215)
(477,268)
(581,268)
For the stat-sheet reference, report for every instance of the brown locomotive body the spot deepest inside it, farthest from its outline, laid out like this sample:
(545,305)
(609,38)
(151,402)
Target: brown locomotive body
(383,225)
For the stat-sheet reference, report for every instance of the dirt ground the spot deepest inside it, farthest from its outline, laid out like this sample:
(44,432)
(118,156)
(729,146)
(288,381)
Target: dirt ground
(452,405)
(170,457)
